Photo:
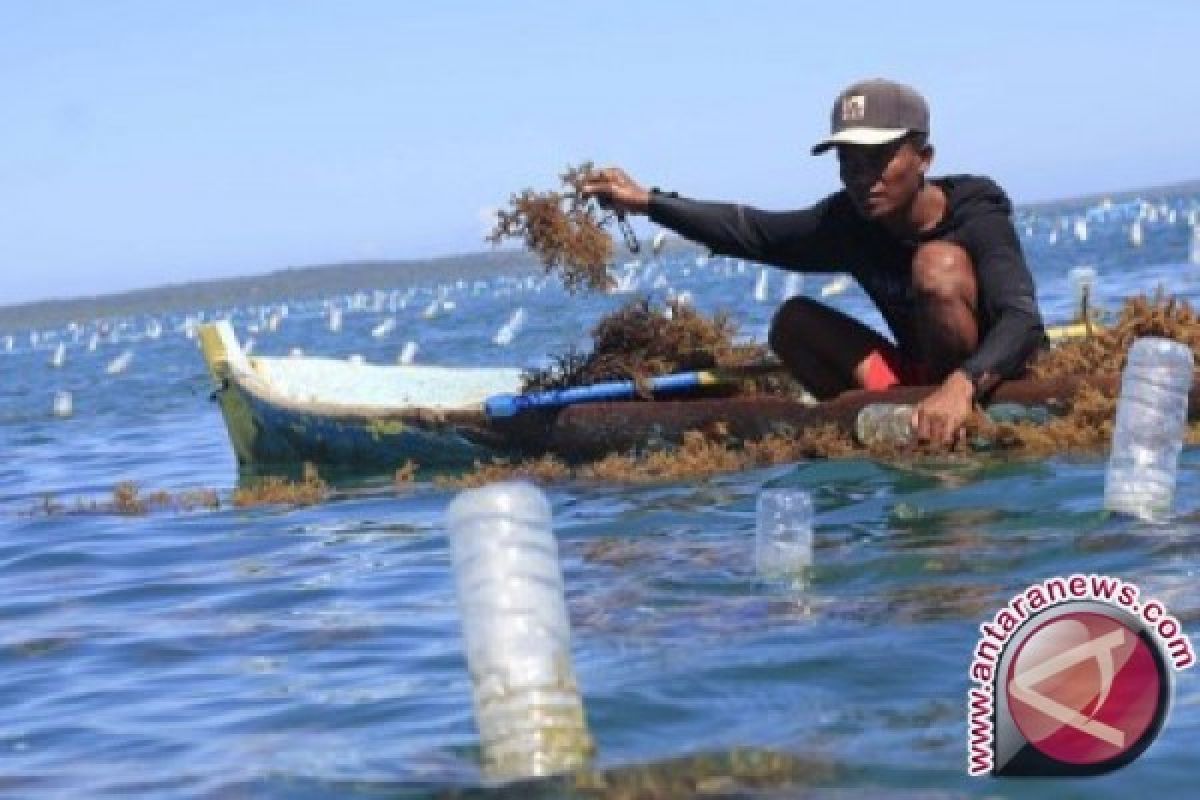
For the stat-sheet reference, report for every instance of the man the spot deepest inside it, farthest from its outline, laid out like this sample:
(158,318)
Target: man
(939,257)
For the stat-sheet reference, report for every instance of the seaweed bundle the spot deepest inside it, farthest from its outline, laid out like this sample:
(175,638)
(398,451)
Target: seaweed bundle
(564,229)
(1103,351)
(1088,423)
(642,340)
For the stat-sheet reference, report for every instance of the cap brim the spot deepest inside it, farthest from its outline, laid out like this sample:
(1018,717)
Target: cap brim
(867,136)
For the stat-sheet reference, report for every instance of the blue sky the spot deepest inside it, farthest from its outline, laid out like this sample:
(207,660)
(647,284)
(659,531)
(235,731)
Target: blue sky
(143,143)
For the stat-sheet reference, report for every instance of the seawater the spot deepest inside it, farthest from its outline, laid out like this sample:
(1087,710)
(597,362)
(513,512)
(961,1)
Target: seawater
(315,652)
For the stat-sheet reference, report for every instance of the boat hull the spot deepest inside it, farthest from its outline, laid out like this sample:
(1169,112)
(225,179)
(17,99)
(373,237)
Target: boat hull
(272,434)
(594,430)
(268,429)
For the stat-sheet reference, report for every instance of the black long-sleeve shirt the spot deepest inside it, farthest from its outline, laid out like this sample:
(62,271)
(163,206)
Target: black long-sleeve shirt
(832,236)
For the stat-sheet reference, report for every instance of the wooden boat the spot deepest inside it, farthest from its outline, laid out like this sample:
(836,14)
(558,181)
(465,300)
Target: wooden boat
(291,410)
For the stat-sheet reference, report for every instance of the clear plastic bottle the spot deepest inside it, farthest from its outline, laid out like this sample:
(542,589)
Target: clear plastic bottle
(783,536)
(516,632)
(63,405)
(1149,428)
(888,424)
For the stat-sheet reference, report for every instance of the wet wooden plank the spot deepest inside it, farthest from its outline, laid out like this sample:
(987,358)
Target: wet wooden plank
(592,430)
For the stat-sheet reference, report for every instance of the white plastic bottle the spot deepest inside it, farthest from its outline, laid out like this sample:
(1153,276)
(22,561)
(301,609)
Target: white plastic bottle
(516,632)
(1148,433)
(783,540)
(63,405)
(888,424)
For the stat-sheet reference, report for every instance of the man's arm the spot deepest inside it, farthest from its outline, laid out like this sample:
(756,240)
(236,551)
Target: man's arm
(800,239)
(806,240)
(1006,296)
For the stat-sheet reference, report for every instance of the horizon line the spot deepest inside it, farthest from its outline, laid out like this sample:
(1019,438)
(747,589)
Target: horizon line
(511,250)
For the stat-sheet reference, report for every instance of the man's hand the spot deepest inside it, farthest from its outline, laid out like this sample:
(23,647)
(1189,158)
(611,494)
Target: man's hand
(940,417)
(616,190)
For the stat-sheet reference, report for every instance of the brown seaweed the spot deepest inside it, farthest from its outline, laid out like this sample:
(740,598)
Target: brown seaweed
(564,229)
(276,490)
(127,499)
(1104,350)
(1088,423)
(642,340)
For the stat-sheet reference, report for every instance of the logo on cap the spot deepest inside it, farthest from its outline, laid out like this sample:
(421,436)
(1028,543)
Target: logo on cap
(854,108)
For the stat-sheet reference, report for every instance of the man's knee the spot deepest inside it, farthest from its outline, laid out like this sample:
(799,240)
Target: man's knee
(944,270)
(789,321)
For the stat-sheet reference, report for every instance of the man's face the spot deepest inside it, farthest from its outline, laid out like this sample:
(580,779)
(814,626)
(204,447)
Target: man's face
(881,179)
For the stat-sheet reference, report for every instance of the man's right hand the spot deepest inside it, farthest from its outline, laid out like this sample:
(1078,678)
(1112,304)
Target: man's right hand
(616,190)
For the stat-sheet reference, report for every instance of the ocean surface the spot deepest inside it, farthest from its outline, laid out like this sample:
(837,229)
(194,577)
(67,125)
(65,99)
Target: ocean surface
(315,652)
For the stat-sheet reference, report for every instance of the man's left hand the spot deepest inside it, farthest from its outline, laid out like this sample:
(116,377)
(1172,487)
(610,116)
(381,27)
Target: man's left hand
(940,417)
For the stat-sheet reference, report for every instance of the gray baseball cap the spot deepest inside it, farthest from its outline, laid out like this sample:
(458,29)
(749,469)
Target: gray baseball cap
(872,112)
